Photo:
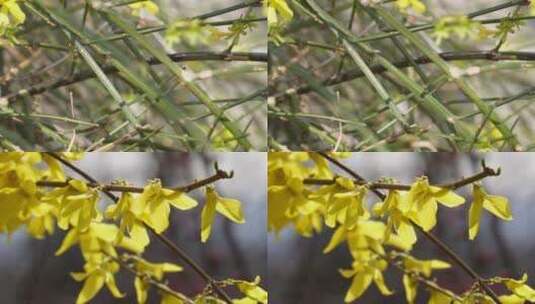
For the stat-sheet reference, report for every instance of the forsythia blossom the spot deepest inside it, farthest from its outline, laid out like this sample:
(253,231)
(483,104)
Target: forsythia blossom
(228,207)
(146,5)
(10,15)
(416,5)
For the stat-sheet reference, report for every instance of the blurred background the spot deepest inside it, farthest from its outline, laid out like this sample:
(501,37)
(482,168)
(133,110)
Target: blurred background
(300,273)
(30,273)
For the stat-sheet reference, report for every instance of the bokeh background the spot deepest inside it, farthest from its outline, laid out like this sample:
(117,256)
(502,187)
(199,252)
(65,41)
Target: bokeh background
(299,273)
(30,273)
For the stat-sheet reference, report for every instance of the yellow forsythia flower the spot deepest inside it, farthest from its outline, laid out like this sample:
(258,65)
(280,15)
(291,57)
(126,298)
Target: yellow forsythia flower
(254,294)
(424,200)
(154,205)
(228,207)
(149,270)
(193,32)
(148,6)
(497,205)
(10,14)
(421,267)
(99,271)
(416,5)
(521,292)
(278,12)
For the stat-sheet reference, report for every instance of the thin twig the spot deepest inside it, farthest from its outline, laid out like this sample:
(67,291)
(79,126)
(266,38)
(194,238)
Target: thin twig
(109,69)
(220,174)
(378,69)
(159,285)
(486,172)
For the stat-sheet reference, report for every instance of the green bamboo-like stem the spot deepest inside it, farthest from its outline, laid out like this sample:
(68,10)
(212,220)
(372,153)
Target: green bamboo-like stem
(466,88)
(441,115)
(110,69)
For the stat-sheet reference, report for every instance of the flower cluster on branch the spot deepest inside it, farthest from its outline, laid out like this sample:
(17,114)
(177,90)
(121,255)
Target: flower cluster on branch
(308,195)
(36,194)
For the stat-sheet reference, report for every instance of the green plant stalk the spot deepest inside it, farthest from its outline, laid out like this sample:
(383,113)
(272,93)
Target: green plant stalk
(381,91)
(437,111)
(106,82)
(486,109)
(170,113)
(175,69)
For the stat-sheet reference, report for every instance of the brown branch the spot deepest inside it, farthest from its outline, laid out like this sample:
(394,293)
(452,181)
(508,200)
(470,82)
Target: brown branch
(173,247)
(486,172)
(441,245)
(378,69)
(220,174)
(109,69)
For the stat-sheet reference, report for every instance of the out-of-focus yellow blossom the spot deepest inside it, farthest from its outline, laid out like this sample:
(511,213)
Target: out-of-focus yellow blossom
(146,5)
(416,5)
(193,32)
(11,15)
(278,12)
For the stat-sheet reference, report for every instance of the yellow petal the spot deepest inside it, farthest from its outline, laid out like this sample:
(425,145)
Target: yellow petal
(511,299)
(426,215)
(15,11)
(70,240)
(208,214)
(112,286)
(360,284)
(179,199)
(170,299)
(231,209)
(411,288)
(439,298)
(158,218)
(447,197)
(168,267)
(406,232)
(380,283)
(139,235)
(91,287)
(474,216)
(499,206)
